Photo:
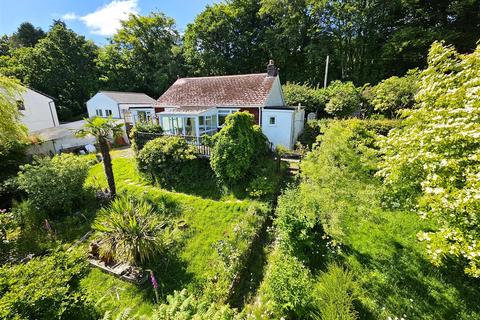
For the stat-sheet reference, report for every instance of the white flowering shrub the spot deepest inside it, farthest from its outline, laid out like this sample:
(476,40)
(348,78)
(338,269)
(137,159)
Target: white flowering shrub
(432,162)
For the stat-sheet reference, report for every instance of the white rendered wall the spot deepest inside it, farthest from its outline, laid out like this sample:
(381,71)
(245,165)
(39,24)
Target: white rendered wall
(40,112)
(299,122)
(103,102)
(281,133)
(275,97)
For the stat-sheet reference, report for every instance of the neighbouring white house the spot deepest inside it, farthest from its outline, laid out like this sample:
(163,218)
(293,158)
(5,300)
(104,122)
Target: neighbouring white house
(130,106)
(198,106)
(37,109)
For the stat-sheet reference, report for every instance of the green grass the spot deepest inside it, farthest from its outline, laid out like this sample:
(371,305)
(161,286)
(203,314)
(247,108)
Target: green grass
(207,222)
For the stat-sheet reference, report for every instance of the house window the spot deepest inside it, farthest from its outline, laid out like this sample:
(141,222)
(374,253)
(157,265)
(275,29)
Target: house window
(108,112)
(272,121)
(99,112)
(20,105)
(222,115)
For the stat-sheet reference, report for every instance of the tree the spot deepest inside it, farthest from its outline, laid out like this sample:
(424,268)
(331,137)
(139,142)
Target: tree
(394,94)
(27,35)
(103,129)
(226,38)
(62,65)
(237,147)
(143,55)
(431,162)
(11,128)
(344,99)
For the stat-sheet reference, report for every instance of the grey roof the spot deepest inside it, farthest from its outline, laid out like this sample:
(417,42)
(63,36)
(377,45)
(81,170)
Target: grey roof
(129,97)
(63,130)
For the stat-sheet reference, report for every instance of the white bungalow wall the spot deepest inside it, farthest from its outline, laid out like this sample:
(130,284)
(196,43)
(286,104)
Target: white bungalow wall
(40,112)
(102,102)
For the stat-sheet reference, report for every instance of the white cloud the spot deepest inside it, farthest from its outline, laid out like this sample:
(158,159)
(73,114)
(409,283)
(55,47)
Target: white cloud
(105,21)
(69,16)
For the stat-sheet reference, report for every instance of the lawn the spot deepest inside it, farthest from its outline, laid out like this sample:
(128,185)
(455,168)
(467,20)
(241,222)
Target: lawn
(206,221)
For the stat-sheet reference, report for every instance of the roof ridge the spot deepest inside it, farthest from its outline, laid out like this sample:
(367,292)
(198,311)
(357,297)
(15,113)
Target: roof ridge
(125,92)
(226,76)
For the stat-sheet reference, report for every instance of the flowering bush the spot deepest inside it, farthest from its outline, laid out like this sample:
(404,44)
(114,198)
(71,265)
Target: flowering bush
(432,162)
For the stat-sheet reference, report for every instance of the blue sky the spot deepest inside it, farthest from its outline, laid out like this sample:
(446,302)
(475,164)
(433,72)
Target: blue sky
(96,19)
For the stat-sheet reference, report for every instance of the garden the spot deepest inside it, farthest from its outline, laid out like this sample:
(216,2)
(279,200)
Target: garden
(381,222)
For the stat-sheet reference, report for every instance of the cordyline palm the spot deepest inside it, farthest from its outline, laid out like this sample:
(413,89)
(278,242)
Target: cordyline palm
(130,231)
(103,129)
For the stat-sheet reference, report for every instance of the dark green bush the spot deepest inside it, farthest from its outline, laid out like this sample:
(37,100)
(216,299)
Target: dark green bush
(55,185)
(312,98)
(12,156)
(343,99)
(237,147)
(311,131)
(166,160)
(44,288)
(141,133)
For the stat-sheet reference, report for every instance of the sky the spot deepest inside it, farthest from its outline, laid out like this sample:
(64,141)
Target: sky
(95,19)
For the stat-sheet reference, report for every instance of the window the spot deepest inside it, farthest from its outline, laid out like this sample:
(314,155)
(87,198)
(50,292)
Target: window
(272,121)
(222,115)
(108,112)
(20,105)
(99,112)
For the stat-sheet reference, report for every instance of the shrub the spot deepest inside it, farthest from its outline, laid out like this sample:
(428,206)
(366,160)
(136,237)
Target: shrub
(166,159)
(311,131)
(130,231)
(237,147)
(141,133)
(312,98)
(344,99)
(182,305)
(432,160)
(394,94)
(12,156)
(288,286)
(334,293)
(54,185)
(44,288)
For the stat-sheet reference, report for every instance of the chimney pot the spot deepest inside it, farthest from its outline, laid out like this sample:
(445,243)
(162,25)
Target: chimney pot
(271,69)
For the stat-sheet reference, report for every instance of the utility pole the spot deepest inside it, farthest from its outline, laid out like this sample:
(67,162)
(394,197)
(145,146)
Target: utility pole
(326,72)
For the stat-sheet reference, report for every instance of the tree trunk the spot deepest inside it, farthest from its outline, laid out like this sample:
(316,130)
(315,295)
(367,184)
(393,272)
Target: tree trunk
(107,165)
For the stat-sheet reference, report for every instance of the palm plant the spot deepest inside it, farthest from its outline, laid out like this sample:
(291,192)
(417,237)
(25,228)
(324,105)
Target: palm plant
(130,231)
(103,129)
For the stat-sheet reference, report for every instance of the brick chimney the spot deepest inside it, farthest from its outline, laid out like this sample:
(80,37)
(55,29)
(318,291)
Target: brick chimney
(271,69)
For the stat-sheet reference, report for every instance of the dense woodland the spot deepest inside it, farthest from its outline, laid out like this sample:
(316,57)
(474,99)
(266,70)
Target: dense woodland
(367,41)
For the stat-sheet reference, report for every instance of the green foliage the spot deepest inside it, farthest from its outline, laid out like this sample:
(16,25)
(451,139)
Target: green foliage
(287,284)
(12,156)
(61,65)
(44,288)
(54,186)
(344,99)
(432,160)
(312,98)
(182,305)
(311,131)
(237,146)
(139,138)
(394,94)
(11,129)
(143,55)
(26,35)
(131,231)
(166,159)
(335,292)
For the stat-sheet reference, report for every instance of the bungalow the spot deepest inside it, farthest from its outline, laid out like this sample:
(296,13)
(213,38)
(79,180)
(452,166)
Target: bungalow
(198,106)
(130,106)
